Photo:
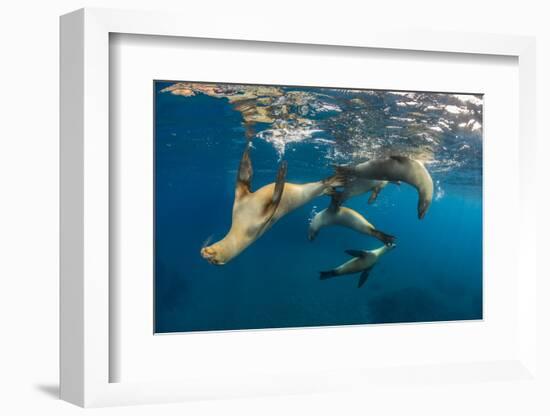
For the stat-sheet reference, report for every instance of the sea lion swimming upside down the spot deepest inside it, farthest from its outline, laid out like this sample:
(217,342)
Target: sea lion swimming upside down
(255,212)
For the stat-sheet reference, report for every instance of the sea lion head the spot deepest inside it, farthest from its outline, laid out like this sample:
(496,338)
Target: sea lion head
(425,196)
(315,225)
(423,205)
(391,245)
(312,233)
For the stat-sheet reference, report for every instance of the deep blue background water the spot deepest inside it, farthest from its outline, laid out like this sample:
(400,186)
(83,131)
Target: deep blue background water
(434,273)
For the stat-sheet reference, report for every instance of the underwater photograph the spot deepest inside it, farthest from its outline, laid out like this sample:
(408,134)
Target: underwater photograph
(296,206)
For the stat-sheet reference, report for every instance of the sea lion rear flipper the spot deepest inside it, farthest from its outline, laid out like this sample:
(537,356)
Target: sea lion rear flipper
(343,175)
(244,176)
(385,238)
(363,278)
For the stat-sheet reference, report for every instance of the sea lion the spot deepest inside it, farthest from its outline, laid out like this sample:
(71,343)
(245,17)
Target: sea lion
(359,186)
(363,261)
(395,168)
(346,217)
(255,212)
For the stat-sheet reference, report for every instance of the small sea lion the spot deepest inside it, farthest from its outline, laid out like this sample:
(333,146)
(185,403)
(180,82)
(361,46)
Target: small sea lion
(255,212)
(346,217)
(358,186)
(395,168)
(363,261)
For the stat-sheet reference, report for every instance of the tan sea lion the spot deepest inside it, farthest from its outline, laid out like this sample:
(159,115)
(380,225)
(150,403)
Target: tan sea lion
(363,261)
(395,168)
(346,217)
(255,212)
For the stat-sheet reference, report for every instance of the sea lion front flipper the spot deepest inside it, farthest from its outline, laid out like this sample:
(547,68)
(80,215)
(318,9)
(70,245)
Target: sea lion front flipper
(374,195)
(359,253)
(279,183)
(363,278)
(399,158)
(272,206)
(244,176)
(337,199)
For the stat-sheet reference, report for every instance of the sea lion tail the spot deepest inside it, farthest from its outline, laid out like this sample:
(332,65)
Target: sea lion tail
(327,274)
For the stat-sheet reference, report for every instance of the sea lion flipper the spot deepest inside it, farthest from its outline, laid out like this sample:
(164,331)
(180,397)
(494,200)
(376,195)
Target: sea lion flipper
(364,276)
(374,195)
(272,206)
(337,199)
(356,253)
(244,176)
(400,158)
(385,238)
(279,183)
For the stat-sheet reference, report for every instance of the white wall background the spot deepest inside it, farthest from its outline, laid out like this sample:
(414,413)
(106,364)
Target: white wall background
(29,56)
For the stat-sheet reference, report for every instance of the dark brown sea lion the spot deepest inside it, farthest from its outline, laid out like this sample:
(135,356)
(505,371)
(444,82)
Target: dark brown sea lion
(363,261)
(398,169)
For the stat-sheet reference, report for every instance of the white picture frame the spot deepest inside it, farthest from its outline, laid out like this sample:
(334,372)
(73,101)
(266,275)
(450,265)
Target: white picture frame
(85,163)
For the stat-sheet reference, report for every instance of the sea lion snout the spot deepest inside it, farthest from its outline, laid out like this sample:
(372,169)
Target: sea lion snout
(423,206)
(311,234)
(211,255)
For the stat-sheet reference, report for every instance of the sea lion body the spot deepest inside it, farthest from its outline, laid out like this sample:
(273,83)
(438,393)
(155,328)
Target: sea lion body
(363,261)
(255,212)
(345,217)
(398,169)
(360,186)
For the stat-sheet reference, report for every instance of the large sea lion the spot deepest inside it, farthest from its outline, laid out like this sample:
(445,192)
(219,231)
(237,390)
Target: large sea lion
(255,212)
(346,217)
(363,261)
(395,168)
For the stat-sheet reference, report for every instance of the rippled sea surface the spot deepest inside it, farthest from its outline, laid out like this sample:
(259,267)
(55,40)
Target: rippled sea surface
(433,274)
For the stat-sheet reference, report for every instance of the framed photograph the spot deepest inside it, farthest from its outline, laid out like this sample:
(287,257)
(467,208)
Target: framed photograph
(310,218)
(311,160)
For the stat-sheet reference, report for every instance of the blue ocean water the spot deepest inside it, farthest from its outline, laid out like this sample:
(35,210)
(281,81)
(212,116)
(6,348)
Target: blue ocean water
(433,274)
